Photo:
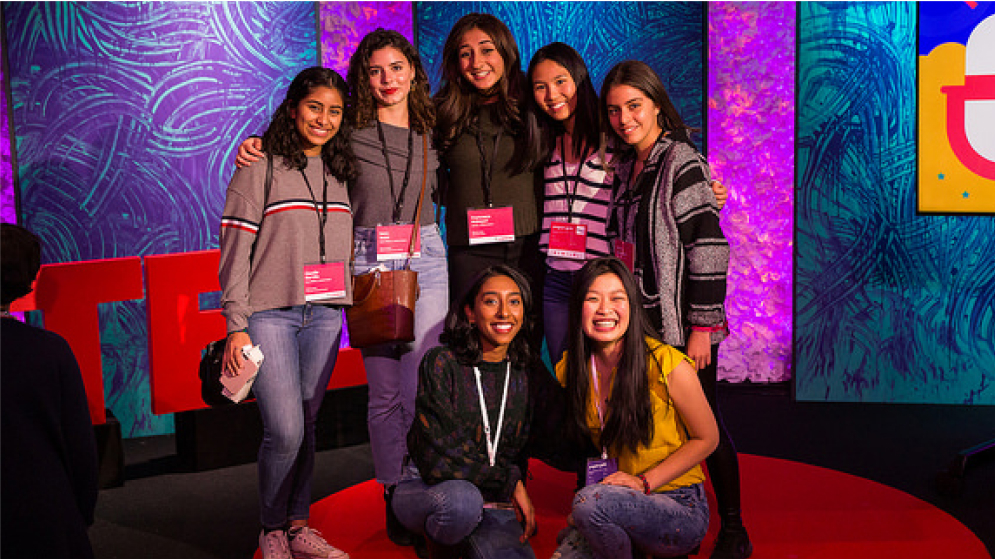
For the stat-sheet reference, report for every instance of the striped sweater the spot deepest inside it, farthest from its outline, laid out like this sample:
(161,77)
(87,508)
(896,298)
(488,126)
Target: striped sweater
(271,274)
(586,185)
(671,214)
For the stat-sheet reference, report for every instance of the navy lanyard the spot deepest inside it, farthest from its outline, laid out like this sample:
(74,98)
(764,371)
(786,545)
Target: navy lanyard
(322,213)
(487,169)
(399,198)
(571,193)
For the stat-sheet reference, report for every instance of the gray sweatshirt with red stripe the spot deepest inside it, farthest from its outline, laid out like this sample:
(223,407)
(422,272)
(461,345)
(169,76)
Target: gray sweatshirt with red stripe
(271,273)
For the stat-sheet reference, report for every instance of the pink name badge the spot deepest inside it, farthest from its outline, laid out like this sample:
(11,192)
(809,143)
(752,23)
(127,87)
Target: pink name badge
(324,281)
(626,252)
(490,225)
(568,240)
(392,242)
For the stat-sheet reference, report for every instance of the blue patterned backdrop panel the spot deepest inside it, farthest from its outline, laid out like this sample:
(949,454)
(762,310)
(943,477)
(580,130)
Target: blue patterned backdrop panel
(127,117)
(890,306)
(668,36)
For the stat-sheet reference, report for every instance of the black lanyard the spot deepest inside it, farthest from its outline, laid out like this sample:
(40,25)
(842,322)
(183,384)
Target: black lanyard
(322,213)
(571,193)
(487,168)
(399,198)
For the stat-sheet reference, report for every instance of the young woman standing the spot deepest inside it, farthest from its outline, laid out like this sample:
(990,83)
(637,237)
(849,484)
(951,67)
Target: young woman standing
(666,222)
(274,242)
(394,116)
(490,194)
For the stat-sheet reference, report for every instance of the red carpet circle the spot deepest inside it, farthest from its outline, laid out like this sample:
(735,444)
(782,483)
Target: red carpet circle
(792,510)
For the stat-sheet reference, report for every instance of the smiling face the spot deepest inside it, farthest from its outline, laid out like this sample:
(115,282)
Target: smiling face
(633,116)
(497,315)
(605,311)
(555,91)
(317,118)
(391,76)
(481,63)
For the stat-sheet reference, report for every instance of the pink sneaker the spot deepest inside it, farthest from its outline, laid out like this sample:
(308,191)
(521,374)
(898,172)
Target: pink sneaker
(274,545)
(307,543)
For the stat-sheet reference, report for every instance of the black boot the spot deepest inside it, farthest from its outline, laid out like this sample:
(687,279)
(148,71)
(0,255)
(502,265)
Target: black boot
(732,543)
(396,531)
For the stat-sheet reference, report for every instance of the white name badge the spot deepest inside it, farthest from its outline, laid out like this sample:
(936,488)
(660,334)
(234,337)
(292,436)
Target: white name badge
(392,242)
(568,240)
(490,225)
(324,281)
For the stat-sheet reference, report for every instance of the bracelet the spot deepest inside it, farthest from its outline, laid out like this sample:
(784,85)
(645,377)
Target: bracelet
(646,484)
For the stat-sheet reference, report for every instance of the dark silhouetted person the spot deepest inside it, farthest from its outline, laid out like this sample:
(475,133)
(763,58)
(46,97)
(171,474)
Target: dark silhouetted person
(48,481)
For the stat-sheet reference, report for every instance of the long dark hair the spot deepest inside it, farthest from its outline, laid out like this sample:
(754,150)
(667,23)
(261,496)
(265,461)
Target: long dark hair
(541,130)
(462,337)
(421,111)
(457,99)
(639,76)
(629,421)
(282,138)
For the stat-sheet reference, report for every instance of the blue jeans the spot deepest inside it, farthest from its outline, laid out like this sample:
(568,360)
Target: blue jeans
(392,369)
(452,513)
(300,345)
(556,294)
(613,520)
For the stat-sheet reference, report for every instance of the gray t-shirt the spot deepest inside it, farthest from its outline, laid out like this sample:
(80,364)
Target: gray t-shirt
(370,194)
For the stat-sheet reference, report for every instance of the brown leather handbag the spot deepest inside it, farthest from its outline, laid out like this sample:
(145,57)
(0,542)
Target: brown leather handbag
(383,308)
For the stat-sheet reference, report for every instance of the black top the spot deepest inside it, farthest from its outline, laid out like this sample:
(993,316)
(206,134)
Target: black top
(48,477)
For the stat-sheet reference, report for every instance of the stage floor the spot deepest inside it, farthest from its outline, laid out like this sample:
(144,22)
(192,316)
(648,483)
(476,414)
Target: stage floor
(796,511)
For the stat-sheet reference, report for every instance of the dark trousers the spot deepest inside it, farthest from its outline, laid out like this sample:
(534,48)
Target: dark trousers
(724,469)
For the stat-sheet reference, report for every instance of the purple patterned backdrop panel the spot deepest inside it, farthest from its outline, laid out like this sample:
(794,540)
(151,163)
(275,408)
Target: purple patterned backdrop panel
(8,201)
(344,24)
(751,149)
(127,117)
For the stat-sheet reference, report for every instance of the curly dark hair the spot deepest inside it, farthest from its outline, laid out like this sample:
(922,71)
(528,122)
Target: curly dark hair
(421,110)
(282,138)
(457,100)
(461,336)
(630,421)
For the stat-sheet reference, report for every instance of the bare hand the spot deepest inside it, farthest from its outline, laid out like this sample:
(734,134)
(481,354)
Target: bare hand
(250,150)
(524,511)
(233,353)
(719,190)
(622,479)
(699,348)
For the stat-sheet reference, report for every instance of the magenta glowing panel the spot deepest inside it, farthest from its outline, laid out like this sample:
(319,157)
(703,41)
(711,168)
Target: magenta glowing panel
(344,24)
(751,126)
(8,200)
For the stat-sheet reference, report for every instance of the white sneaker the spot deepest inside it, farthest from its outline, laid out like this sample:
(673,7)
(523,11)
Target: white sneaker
(307,543)
(274,545)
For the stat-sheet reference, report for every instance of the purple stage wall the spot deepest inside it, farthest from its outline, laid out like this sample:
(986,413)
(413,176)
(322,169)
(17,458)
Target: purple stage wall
(126,117)
(8,200)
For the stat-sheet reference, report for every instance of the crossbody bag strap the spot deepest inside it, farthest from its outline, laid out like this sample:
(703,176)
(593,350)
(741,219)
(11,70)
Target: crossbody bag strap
(421,198)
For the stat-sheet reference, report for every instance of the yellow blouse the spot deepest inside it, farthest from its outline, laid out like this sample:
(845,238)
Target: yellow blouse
(669,429)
